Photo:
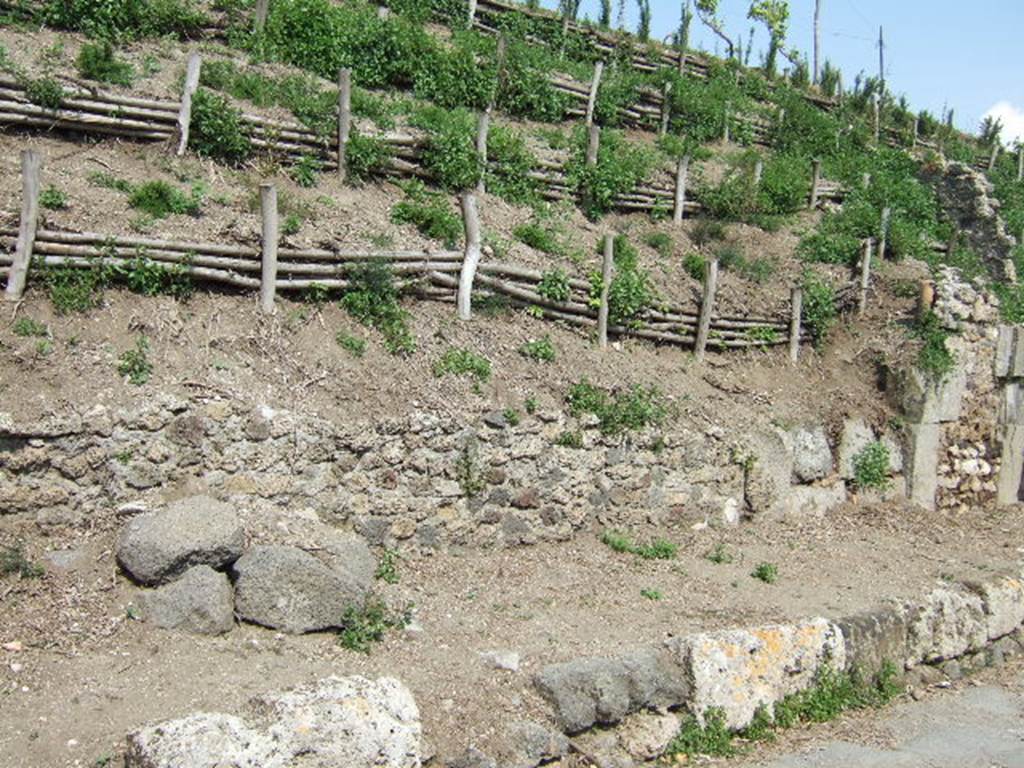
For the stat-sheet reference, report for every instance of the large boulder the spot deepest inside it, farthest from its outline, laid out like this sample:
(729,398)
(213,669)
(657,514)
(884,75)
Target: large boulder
(812,456)
(288,589)
(200,602)
(351,722)
(950,622)
(159,546)
(768,466)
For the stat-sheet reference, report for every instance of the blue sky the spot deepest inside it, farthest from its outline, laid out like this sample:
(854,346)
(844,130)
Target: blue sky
(969,55)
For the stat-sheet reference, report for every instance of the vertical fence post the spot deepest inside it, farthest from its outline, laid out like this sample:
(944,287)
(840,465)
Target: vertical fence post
(31,162)
(996,146)
(472,13)
(681,69)
(607,265)
(883,232)
(917,132)
(262,7)
(593,144)
(185,110)
(682,171)
(877,117)
(758,172)
(483,127)
(865,180)
(815,183)
(707,305)
(796,308)
(271,232)
(471,256)
(344,120)
(666,108)
(925,298)
(865,275)
(725,128)
(839,89)
(595,85)
(383,12)
(1020,162)
(1009,271)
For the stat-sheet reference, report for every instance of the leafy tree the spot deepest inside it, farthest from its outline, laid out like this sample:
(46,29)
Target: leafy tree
(606,14)
(991,128)
(707,12)
(569,9)
(682,36)
(774,14)
(644,30)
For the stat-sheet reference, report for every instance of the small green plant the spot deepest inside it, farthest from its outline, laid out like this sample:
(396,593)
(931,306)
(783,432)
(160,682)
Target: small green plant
(124,457)
(766,572)
(540,236)
(135,364)
(541,350)
(658,549)
(216,129)
(713,738)
(53,199)
(652,594)
(720,555)
(621,411)
(97,61)
(13,561)
(531,404)
(44,92)
(871,466)
(695,264)
(44,347)
(430,213)
(467,471)
(372,299)
(306,171)
(72,289)
(554,285)
(351,344)
(512,417)
(291,225)
(462,362)
(27,326)
(819,307)
(934,358)
(570,439)
(661,242)
(707,231)
(159,199)
(363,627)
(387,568)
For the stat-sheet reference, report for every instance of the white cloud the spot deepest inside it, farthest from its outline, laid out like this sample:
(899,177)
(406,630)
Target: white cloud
(1013,120)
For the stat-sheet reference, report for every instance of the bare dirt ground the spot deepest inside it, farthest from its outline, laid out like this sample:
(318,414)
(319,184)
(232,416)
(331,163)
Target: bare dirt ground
(87,674)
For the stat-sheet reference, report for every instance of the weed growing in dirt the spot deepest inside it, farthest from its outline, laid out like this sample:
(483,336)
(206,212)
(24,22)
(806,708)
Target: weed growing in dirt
(306,171)
(430,213)
(351,344)
(652,594)
(819,308)
(554,285)
(713,738)
(462,362)
(124,19)
(53,199)
(766,572)
(934,359)
(511,416)
(871,467)
(159,199)
(73,290)
(719,555)
(365,156)
(97,61)
(695,265)
(541,350)
(632,409)
(707,231)
(387,568)
(542,237)
(44,92)
(135,364)
(372,299)
(531,404)
(570,439)
(291,225)
(662,242)
(216,129)
(27,326)
(468,473)
(631,292)
(658,549)
(152,278)
(366,626)
(13,561)
(109,181)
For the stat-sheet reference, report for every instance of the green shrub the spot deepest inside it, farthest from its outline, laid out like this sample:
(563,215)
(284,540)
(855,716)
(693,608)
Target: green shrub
(450,155)
(125,19)
(934,358)
(387,568)
(44,92)
(26,326)
(363,627)
(352,344)
(13,561)
(150,278)
(365,156)
(540,236)
(662,242)
(707,231)
(510,163)
(73,289)
(819,306)
(713,738)
(695,265)
(462,362)
(306,171)
(766,572)
(621,165)
(570,439)
(871,466)
(53,199)
(658,549)
(216,129)
(554,285)
(632,409)
(541,350)
(372,299)
(430,213)
(97,61)
(134,364)
(159,199)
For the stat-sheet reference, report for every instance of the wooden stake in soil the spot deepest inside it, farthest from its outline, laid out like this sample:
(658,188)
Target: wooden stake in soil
(344,120)
(815,183)
(595,85)
(471,257)
(917,132)
(607,265)
(472,13)
(727,119)
(925,298)
(593,144)
(1020,163)
(796,308)
(666,109)
(682,63)
(268,254)
(185,112)
(883,232)
(262,7)
(707,305)
(682,171)
(877,116)
(865,275)
(31,162)
(758,172)
(483,126)
(996,146)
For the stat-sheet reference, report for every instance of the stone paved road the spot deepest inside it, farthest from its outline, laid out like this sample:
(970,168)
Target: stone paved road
(976,727)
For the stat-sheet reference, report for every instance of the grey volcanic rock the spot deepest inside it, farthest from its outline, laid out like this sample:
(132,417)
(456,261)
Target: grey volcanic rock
(159,546)
(200,602)
(288,589)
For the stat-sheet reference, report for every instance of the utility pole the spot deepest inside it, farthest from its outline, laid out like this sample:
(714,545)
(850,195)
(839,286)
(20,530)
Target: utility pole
(881,58)
(817,42)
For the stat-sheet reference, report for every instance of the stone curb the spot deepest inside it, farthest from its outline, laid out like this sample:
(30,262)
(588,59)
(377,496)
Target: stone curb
(740,670)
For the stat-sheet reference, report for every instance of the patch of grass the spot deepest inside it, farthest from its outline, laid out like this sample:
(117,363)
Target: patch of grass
(531,405)
(351,344)
(73,289)
(658,549)
(372,299)
(363,627)
(430,213)
(540,236)
(291,225)
(871,467)
(13,561)
(109,181)
(44,92)
(53,199)
(554,285)
(707,231)
(306,171)
(719,555)
(621,411)
(819,307)
(652,594)
(160,200)
(134,364)
(713,739)
(387,568)
(27,326)
(570,439)
(541,350)
(695,265)
(512,417)
(934,358)
(462,362)
(216,130)
(662,242)
(97,61)
(766,572)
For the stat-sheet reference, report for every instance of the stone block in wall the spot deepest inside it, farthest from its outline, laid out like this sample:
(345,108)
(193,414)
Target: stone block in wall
(874,638)
(950,622)
(1011,404)
(1011,465)
(922,400)
(1009,360)
(806,501)
(856,436)
(922,463)
(812,456)
(1003,601)
(769,461)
